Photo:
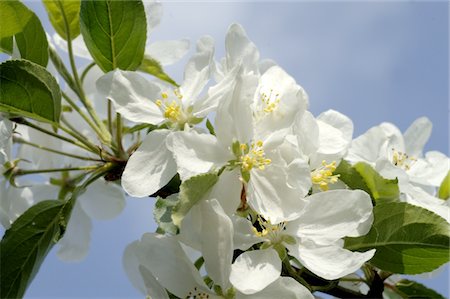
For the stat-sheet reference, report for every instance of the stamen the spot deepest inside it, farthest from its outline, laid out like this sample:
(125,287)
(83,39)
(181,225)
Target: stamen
(270,101)
(196,294)
(323,175)
(269,230)
(255,157)
(402,160)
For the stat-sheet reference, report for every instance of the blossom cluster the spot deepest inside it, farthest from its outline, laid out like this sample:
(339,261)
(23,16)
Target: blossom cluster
(260,194)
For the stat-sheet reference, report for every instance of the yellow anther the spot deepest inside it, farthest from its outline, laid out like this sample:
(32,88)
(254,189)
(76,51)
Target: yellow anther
(172,112)
(255,157)
(164,95)
(402,160)
(159,103)
(323,176)
(269,230)
(270,101)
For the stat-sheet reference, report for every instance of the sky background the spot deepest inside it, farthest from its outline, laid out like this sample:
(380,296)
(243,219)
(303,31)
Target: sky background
(373,61)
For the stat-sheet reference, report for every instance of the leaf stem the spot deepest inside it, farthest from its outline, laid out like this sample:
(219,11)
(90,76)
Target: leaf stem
(23,141)
(36,171)
(86,70)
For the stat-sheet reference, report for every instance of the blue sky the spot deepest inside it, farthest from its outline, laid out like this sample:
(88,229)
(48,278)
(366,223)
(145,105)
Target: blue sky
(373,61)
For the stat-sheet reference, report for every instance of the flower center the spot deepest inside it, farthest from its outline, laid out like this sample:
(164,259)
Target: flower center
(265,229)
(323,175)
(196,294)
(253,156)
(402,160)
(171,107)
(270,101)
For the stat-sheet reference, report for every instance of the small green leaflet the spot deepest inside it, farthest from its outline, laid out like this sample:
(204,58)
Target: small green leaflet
(13,17)
(27,242)
(64,13)
(408,289)
(408,239)
(444,189)
(363,176)
(29,90)
(114,32)
(192,191)
(163,214)
(32,42)
(153,67)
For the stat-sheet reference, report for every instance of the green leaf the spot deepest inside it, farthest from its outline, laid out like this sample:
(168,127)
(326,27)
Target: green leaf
(13,17)
(26,244)
(444,189)
(163,214)
(6,45)
(27,89)
(64,13)
(191,192)
(114,32)
(153,67)
(408,239)
(32,42)
(409,289)
(363,176)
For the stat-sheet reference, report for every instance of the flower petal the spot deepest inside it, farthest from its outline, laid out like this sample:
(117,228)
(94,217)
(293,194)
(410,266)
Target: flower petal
(103,200)
(254,270)
(331,261)
(417,135)
(196,153)
(132,96)
(227,191)
(332,215)
(217,242)
(153,14)
(283,287)
(78,46)
(240,50)
(74,246)
(151,167)
(168,51)
(269,195)
(168,263)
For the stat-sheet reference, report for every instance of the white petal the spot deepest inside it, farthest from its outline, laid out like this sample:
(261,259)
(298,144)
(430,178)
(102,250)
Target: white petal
(254,270)
(168,263)
(74,246)
(329,262)
(217,245)
(103,200)
(132,96)
(78,46)
(368,147)
(168,51)
(196,153)
(240,50)
(418,197)
(417,135)
(197,72)
(269,194)
(6,128)
(338,121)
(333,215)
(283,287)
(151,167)
(153,14)
(307,131)
(227,191)
(244,237)
(276,85)
(234,120)
(191,228)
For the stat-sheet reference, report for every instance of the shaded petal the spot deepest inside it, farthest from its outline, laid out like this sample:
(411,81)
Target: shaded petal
(151,167)
(240,50)
(153,14)
(307,131)
(418,197)
(197,71)
(244,237)
(368,147)
(217,242)
(417,135)
(168,263)
(227,191)
(332,215)
(6,128)
(269,195)
(254,270)
(78,46)
(168,51)
(103,200)
(329,262)
(74,246)
(338,121)
(132,96)
(196,153)
(283,287)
